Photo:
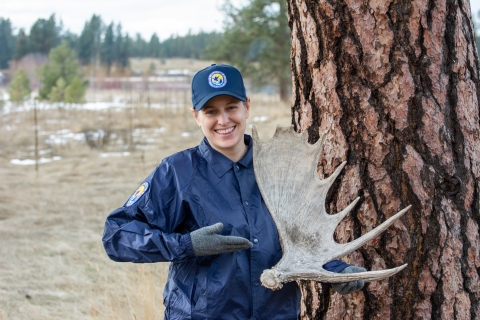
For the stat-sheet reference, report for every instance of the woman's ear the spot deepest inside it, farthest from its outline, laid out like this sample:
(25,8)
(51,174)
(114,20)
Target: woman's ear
(195,115)
(247,106)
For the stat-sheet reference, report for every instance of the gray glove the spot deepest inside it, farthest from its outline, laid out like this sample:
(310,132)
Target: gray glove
(352,286)
(206,242)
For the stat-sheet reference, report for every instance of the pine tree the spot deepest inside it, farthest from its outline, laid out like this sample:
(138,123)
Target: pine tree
(61,79)
(154,46)
(21,47)
(44,35)
(89,40)
(19,89)
(7,41)
(257,41)
(108,48)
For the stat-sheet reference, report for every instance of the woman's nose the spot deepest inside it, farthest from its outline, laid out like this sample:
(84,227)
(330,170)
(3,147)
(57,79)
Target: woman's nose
(223,118)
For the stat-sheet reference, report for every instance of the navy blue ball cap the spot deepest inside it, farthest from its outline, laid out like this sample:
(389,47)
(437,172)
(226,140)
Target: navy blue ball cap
(215,80)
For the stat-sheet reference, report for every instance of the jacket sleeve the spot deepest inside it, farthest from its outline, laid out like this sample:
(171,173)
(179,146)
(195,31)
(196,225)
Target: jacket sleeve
(148,227)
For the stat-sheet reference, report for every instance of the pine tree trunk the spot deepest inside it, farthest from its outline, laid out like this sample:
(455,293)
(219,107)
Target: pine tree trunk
(396,86)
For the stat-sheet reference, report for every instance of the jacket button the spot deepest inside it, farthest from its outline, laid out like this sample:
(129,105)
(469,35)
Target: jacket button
(246,202)
(256,284)
(255,240)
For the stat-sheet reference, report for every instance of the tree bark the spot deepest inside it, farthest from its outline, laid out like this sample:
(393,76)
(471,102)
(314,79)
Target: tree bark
(396,86)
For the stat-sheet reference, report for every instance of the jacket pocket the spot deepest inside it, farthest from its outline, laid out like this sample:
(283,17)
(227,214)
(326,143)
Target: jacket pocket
(177,305)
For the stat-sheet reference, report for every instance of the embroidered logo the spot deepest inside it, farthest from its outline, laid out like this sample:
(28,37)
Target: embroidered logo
(217,79)
(138,193)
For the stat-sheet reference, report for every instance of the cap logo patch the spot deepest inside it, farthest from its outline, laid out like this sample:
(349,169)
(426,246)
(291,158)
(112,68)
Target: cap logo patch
(138,193)
(217,79)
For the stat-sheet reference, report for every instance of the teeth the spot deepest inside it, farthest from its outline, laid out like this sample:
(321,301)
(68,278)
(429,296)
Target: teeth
(225,131)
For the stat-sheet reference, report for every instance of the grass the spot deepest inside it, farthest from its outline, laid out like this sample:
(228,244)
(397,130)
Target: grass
(53,265)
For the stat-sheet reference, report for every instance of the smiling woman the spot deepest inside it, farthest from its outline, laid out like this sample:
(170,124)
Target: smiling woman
(202,210)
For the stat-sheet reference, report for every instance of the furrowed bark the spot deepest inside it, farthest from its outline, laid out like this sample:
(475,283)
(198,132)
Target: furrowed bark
(395,84)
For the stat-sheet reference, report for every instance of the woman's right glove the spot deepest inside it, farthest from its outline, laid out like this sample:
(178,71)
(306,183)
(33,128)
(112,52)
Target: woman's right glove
(206,242)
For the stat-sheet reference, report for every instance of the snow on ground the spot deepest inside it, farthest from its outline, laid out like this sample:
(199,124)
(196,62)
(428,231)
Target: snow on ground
(28,162)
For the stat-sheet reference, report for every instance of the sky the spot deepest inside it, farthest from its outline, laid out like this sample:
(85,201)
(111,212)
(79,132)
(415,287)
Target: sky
(164,17)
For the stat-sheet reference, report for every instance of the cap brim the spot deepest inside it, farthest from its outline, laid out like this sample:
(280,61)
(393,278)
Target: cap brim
(202,102)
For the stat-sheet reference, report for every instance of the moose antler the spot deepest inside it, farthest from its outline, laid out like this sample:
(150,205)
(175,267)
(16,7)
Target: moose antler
(286,173)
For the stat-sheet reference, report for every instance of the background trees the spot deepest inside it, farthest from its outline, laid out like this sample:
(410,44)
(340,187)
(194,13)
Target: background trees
(256,40)
(62,81)
(19,89)
(89,40)
(7,41)
(44,35)
(396,86)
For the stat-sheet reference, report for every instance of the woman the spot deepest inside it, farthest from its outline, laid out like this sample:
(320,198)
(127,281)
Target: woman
(202,210)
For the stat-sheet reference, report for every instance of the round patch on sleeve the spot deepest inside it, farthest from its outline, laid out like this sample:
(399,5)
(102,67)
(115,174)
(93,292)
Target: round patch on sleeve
(138,194)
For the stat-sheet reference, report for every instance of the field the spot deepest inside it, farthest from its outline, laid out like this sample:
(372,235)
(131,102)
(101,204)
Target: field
(91,158)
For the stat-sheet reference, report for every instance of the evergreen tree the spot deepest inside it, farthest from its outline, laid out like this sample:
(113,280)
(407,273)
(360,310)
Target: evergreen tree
(7,41)
(257,41)
(154,46)
(19,89)
(122,48)
(139,47)
(21,47)
(118,43)
(61,79)
(108,48)
(89,40)
(71,39)
(476,24)
(44,35)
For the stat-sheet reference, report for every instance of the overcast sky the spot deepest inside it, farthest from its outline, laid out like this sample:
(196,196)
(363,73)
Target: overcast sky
(165,17)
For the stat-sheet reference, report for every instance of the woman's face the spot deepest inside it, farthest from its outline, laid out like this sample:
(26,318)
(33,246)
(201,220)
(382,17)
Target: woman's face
(223,120)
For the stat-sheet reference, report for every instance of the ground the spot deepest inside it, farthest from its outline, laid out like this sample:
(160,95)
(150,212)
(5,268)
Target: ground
(52,263)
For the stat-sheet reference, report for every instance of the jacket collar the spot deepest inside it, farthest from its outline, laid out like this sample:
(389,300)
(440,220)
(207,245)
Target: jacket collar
(220,163)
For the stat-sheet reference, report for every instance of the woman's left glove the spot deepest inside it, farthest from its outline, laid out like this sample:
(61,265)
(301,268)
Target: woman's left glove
(352,286)
(206,242)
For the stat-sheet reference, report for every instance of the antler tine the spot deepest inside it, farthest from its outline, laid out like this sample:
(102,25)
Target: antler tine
(256,139)
(339,216)
(274,279)
(357,243)
(330,180)
(332,277)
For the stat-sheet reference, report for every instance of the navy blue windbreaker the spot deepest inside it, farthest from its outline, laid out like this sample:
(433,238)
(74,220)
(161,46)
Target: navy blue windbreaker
(189,190)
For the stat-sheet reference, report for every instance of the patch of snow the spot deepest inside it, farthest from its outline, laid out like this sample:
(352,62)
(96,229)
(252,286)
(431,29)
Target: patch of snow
(27,162)
(260,119)
(114,154)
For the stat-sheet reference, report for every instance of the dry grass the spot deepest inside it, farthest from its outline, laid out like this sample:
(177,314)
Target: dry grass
(52,263)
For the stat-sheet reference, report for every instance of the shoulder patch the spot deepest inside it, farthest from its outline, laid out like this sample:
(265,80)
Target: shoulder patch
(138,193)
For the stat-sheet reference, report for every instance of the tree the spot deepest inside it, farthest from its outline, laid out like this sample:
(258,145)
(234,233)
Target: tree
(19,89)
(154,47)
(108,48)
(89,40)
(139,47)
(477,32)
(44,35)
(7,40)
(61,79)
(256,40)
(396,86)
(21,47)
